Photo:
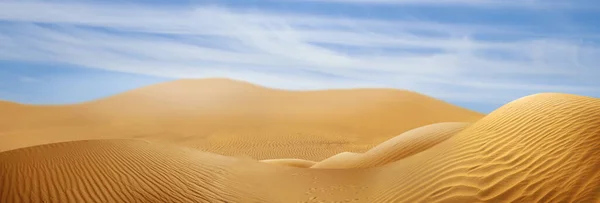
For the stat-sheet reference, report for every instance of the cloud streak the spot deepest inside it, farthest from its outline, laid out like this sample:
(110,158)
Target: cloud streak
(513,4)
(298,50)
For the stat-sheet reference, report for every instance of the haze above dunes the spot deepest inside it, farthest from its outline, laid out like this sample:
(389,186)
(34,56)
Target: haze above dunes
(220,140)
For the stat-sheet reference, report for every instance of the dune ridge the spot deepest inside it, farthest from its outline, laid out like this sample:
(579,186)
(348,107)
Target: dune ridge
(214,114)
(540,148)
(300,163)
(397,148)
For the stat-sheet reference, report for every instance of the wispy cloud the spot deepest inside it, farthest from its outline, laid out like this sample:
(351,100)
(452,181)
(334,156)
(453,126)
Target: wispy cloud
(522,4)
(438,2)
(299,50)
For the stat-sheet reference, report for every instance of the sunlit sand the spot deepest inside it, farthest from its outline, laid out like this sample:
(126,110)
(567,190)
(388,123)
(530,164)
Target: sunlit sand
(219,140)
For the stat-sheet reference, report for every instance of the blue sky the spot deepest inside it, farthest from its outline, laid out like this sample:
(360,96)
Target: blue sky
(478,54)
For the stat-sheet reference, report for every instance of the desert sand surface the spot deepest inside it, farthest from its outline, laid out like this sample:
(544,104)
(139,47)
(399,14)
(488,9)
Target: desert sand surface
(235,118)
(399,147)
(301,163)
(540,148)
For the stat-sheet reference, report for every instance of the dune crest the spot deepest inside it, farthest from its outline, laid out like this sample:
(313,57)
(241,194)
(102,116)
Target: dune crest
(237,118)
(397,148)
(540,148)
(300,163)
(199,141)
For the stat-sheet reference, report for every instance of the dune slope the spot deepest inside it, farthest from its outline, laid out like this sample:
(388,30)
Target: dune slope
(541,148)
(138,171)
(397,148)
(300,163)
(8,112)
(237,118)
(116,171)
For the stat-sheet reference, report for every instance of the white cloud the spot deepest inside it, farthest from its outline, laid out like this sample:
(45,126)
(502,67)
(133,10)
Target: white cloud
(475,2)
(531,4)
(294,51)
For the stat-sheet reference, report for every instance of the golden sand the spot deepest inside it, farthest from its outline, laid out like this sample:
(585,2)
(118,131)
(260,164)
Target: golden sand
(235,118)
(315,147)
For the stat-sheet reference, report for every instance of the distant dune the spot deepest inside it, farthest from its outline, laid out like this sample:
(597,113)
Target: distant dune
(8,112)
(540,148)
(236,118)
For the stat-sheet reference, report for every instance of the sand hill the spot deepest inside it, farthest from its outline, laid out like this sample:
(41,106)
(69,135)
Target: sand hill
(541,148)
(236,118)
(399,147)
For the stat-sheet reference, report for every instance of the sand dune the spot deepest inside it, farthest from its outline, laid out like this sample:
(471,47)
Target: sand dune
(118,171)
(138,171)
(541,148)
(237,118)
(300,163)
(397,148)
